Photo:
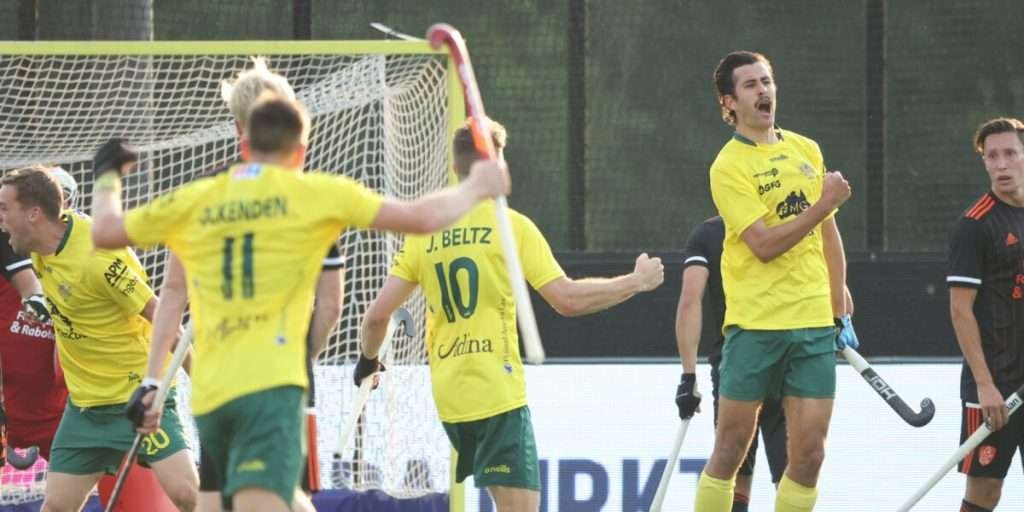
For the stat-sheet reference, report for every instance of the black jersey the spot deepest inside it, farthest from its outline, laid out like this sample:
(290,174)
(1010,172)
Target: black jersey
(986,253)
(704,248)
(11,262)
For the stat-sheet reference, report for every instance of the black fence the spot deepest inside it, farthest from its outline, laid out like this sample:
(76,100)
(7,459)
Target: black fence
(613,122)
(902,309)
(612,118)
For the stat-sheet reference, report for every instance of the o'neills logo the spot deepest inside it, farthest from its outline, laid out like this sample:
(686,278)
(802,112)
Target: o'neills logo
(463,345)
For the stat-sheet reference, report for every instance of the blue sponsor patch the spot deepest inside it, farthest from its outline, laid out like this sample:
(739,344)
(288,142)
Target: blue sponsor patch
(247,172)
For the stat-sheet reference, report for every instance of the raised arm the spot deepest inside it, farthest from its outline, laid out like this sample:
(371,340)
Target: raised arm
(112,160)
(768,243)
(437,210)
(576,297)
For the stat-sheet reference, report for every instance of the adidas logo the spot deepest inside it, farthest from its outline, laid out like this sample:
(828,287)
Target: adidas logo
(1011,239)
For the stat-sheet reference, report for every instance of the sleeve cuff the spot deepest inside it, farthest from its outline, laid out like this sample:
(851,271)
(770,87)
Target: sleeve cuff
(695,260)
(963,281)
(333,263)
(18,265)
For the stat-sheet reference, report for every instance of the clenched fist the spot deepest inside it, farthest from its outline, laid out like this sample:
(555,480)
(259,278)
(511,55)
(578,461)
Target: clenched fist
(491,178)
(649,271)
(835,190)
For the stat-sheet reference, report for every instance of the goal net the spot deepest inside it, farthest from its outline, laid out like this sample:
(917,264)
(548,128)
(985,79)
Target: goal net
(382,114)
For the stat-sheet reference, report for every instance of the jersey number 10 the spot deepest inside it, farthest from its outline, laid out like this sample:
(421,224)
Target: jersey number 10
(451,291)
(227,287)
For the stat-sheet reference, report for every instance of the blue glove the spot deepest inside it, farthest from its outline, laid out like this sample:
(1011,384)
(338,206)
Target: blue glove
(845,335)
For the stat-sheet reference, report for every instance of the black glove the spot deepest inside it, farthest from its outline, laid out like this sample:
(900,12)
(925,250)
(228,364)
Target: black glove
(687,398)
(366,367)
(112,155)
(36,309)
(136,409)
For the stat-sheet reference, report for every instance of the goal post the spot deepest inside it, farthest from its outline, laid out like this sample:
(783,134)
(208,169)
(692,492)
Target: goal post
(383,113)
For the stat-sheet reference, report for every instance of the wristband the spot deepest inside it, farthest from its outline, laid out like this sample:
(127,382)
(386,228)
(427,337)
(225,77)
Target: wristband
(110,180)
(150,382)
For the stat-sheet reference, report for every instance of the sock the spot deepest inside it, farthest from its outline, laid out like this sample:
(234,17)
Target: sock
(740,502)
(967,506)
(793,497)
(713,494)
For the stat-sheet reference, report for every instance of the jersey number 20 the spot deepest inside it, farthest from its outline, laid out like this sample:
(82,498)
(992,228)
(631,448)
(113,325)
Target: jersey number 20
(452,292)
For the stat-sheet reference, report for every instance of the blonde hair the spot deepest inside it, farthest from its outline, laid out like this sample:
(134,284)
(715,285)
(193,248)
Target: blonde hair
(241,93)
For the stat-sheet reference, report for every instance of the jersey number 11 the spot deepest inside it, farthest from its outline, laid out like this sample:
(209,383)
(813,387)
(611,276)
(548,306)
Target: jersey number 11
(228,285)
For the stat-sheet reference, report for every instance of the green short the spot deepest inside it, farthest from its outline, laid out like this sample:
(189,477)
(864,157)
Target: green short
(93,440)
(768,364)
(256,440)
(499,450)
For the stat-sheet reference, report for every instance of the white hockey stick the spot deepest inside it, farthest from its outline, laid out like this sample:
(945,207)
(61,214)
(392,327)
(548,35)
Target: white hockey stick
(388,31)
(161,394)
(1013,403)
(670,466)
(444,34)
(401,318)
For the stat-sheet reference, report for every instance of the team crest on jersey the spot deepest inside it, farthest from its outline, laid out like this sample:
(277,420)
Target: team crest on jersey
(986,455)
(808,170)
(64,290)
(247,172)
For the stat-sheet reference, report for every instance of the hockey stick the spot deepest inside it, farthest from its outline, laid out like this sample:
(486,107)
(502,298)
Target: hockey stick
(388,31)
(670,465)
(444,34)
(400,318)
(916,419)
(1013,403)
(161,394)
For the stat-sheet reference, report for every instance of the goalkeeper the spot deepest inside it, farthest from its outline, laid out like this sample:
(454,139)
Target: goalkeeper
(251,279)
(100,305)
(474,358)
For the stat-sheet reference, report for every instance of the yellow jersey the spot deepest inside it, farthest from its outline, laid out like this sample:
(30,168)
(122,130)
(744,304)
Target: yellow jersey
(773,183)
(472,343)
(251,241)
(96,299)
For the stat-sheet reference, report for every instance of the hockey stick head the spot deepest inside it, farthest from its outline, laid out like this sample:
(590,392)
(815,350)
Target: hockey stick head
(388,31)
(920,419)
(23,461)
(403,319)
(444,34)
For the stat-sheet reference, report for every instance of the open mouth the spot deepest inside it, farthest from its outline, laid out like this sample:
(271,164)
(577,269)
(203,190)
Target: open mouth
(764,106)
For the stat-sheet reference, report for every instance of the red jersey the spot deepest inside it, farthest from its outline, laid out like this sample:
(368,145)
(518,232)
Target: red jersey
(34,393)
